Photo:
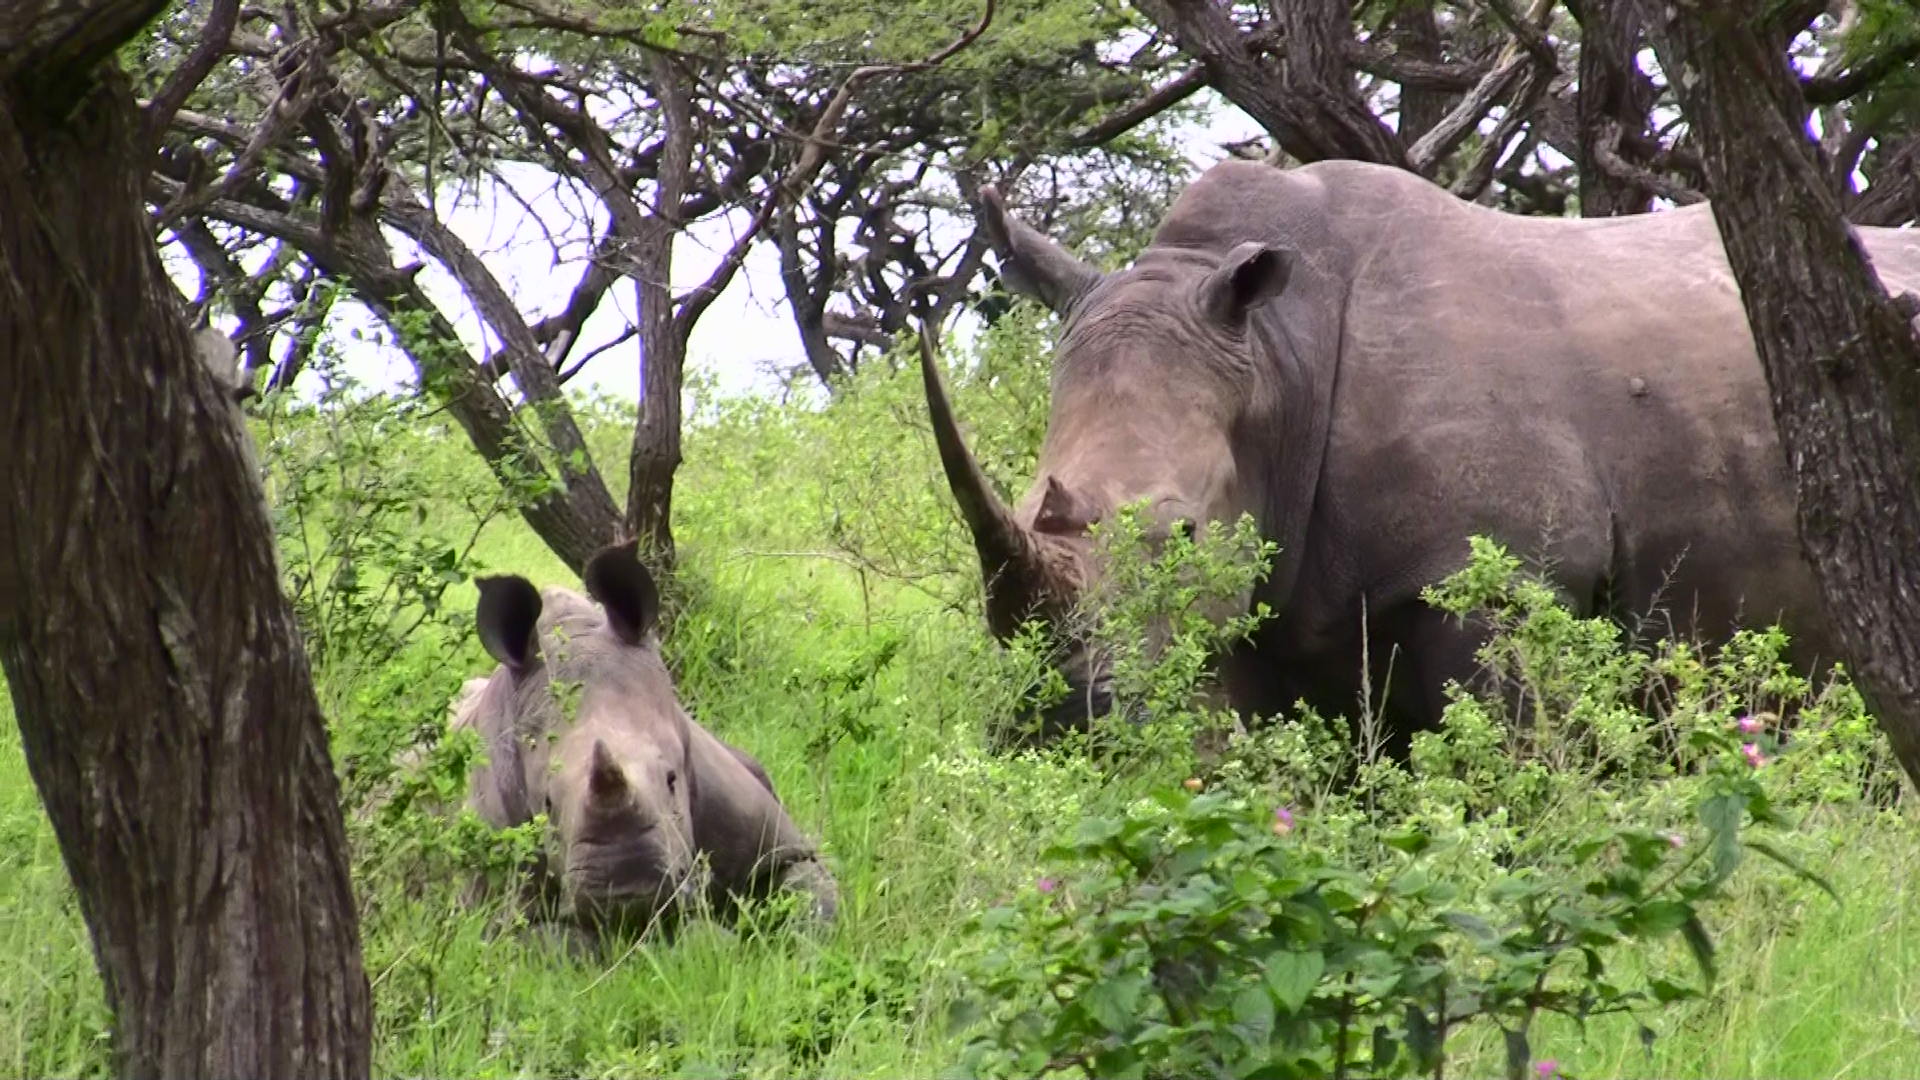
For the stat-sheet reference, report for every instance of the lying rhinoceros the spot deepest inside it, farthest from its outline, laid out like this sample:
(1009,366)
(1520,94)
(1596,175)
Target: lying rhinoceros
(580,721)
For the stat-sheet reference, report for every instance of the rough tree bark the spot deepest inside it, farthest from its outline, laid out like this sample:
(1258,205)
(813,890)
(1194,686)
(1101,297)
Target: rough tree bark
(162,691)
(1307,102)
(654,459)
(1614,101)
(1842,358)
(1416,34)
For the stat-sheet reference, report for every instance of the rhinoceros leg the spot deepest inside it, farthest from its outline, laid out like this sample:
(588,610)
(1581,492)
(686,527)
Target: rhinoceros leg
(810,879)
(1442,648)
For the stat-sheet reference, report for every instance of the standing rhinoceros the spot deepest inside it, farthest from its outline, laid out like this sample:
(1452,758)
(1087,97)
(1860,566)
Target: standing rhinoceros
(580,721)
(1375,370)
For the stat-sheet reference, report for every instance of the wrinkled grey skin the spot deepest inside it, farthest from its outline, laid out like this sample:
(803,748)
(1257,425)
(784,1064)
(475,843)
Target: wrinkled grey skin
(1376,370)
(580,721)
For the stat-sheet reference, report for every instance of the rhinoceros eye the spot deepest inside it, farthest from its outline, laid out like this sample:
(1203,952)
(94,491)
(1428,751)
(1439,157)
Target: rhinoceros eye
(673,782)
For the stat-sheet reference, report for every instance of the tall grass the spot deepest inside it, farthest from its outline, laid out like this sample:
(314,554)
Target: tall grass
(827,622)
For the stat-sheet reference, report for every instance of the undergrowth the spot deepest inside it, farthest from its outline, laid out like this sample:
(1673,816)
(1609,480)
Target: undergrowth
(1608,887)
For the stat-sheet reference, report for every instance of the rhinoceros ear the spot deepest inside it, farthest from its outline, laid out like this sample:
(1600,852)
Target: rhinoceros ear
(617,579)
(1060,510)
(1032,264)
(509,619)
(1252,274)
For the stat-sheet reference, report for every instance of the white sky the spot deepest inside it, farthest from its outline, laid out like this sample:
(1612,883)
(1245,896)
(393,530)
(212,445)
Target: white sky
(743,338)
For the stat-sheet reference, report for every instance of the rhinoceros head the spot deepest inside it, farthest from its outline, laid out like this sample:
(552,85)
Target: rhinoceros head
(583,724)
(1155,379)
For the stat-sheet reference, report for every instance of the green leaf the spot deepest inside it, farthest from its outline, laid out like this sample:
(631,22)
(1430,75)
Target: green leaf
(1411,841)
(1658,917)
(1253,1012)
(1292,976)
(1596,968)
(1423,1040)
(1700,945)
(1666,992)
(1792,864)
(1385,1049)
(1722,815)
(1093,832)
(1280,1070)
(964,1013)
(1114,1002)
(1471,925)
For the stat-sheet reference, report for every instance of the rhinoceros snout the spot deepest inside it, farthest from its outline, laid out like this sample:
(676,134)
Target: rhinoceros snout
(631,870)
(1076,712)
(600,903)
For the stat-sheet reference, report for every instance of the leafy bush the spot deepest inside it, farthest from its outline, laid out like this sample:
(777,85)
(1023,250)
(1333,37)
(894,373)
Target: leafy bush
(374,530)
(1285,925)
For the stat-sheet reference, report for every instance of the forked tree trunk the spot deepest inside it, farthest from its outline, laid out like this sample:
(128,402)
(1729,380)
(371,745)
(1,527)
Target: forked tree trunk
(1613,104)
(162,692)
(655,456)
(1842,359)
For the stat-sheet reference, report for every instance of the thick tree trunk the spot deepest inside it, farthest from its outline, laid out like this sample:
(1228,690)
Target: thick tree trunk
(1614,100)
(1316,71)
(655,457)
(1842,359)
(162,692)
(1308,102)
(1417,34)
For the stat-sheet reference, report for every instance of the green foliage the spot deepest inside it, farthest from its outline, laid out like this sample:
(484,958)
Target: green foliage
(1166,606)
(826,619)
(1882,31)
(373,534)
(1357,929)
(1589,702)
(1168,603)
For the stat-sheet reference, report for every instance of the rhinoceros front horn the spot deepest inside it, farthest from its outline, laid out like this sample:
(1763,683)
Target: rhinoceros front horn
(1015,575)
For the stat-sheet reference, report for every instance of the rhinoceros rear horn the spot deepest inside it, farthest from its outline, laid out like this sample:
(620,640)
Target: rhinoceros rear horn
(1251,274)
(1013,571)
(509,618)
(1032,264)
(621,584)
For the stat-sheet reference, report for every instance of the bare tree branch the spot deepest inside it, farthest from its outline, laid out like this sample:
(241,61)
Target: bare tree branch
(1825,89)
(1164,97)
(44,43)
(1445,137)
(1607,156)
(695,303)
(1309,107)
(215,35)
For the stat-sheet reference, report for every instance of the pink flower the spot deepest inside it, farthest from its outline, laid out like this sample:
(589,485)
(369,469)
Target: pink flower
(1282,821)
(1676,840)
(1546,1068)
(1046,884)
(1751,752)
(1749,725)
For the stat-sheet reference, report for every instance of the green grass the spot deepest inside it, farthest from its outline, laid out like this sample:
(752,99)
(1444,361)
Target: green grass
(827,633)
(1808,987)
(53,1018)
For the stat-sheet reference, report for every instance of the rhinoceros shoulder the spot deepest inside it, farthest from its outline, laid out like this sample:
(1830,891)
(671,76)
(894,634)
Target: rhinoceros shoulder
(752,766)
